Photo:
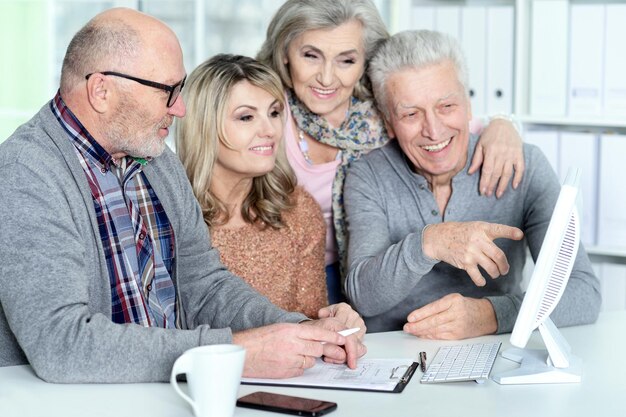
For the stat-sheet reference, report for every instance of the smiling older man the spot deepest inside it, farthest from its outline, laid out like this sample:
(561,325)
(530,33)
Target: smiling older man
(422,238)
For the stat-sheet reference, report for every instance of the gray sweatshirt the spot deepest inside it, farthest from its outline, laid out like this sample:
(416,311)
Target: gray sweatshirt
(55,298)
(388,206)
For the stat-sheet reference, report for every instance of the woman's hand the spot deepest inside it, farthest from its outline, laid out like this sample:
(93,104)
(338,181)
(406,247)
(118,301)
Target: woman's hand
(346,315)
(501,155)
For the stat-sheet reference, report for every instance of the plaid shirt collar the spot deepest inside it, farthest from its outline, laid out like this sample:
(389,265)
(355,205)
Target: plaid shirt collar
(84,141)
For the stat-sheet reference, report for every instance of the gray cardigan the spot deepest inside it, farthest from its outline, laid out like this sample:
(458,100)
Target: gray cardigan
(387,207)
(55,298)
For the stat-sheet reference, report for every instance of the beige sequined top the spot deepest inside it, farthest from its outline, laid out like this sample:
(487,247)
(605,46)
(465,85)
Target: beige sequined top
(286,265)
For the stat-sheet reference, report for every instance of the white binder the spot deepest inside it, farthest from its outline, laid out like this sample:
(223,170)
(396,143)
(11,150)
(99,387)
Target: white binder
(403,15)
(548,142)
(612,210)
(615,64)
(473,40)
(586,60)
(613,285)
(423,17)
(500,46)
(548,61)
(581,150)
(448,20)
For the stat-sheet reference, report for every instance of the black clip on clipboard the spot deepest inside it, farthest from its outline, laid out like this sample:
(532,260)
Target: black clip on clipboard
(405,378)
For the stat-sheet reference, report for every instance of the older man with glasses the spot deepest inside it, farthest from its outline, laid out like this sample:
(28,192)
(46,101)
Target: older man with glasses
(174,90)
(107,273)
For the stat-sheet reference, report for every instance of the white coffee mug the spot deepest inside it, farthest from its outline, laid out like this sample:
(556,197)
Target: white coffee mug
(213,378)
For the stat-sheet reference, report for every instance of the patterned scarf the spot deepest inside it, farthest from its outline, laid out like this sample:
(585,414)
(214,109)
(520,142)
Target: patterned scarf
(362,130)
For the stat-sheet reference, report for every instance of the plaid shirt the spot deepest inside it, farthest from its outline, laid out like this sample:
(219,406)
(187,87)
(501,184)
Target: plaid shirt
(137,237)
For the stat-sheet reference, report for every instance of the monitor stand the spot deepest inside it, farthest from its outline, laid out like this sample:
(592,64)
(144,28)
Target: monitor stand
(534,368)
(552,365)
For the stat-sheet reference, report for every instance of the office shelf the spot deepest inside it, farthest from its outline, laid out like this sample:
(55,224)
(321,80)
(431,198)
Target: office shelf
(592,124)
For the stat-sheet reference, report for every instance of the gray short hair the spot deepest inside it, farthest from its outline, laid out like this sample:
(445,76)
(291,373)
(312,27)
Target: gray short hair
(413,49)
(98,46)
(298,16)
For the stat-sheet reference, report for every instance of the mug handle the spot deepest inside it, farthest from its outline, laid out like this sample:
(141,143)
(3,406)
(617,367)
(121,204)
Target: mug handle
(181,366)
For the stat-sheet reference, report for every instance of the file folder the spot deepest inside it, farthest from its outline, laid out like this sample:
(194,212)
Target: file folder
(548,60)
(448,20)
(615,64)
(612,211)
(581,150)
(423,17)
(500,47)
(474,40)
(613,285)
(403,15)
(548,142)
(586,60)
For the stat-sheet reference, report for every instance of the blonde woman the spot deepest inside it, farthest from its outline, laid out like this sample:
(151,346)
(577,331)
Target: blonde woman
(267,230)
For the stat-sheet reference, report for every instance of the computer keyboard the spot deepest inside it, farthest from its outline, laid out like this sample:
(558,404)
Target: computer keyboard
(469,362)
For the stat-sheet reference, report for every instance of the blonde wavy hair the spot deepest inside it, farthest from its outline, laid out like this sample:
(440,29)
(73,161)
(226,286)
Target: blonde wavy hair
(198,134)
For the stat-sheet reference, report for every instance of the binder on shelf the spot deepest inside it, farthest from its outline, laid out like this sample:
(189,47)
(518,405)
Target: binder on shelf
(423,17)
(473,40)
(615,63)
(548,142)
(612,209)
(403,13)
(548,60)
(499,73)
(448,20)
(581,150)
(586,60)
(613,284)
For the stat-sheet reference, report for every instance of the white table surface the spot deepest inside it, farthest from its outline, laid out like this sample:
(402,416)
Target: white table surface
(601,393)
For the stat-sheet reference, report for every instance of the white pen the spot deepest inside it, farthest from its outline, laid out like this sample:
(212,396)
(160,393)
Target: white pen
(347,332)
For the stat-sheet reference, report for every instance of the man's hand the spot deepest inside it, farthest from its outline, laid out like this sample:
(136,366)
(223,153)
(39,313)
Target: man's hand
(501,154)
(285,350)
(468,245)
(453,317)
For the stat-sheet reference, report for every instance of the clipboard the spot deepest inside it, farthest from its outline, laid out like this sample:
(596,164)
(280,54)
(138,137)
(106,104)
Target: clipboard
(379,375)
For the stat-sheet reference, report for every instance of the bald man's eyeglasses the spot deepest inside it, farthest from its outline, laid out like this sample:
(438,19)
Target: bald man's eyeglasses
(174,90)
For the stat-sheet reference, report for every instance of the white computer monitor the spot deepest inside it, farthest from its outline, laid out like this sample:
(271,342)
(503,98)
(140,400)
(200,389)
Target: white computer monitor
(555,364)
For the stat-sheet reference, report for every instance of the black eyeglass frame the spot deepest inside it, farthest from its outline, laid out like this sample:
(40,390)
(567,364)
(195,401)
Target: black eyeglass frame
(169,88)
